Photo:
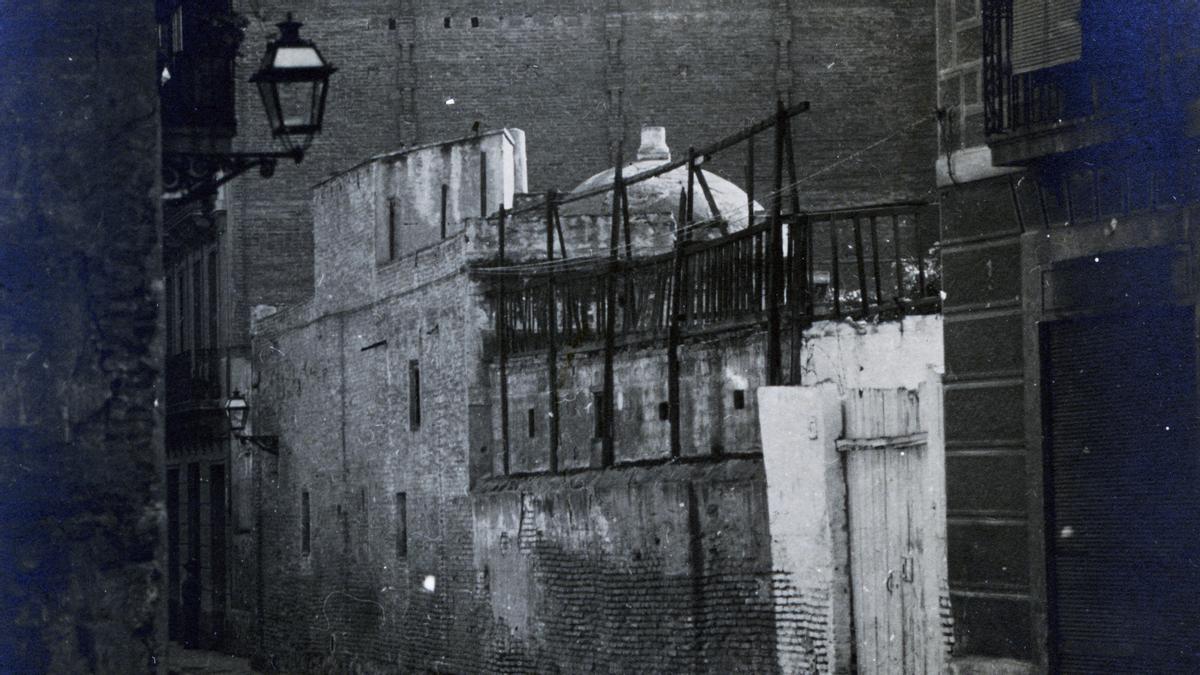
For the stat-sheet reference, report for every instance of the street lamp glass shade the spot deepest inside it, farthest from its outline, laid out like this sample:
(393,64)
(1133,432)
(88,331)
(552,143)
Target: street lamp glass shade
(236,408)
(292,82)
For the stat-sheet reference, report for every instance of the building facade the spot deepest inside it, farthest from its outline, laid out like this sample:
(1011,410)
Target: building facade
(198,42)
(1067,188)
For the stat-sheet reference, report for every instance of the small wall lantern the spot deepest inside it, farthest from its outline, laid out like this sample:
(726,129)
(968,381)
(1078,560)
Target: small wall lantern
(238,410)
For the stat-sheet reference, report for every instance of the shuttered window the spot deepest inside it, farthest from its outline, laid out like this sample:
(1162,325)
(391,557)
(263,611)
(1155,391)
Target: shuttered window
(1045,33)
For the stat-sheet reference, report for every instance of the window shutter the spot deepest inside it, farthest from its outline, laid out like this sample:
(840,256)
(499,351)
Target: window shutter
(1045,33)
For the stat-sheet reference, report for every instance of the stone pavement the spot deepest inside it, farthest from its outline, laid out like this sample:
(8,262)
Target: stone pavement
(182,661)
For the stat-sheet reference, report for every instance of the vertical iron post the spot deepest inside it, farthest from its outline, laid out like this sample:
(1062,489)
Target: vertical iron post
(862,266)
(799,233)
(875,261)
(775,258)
(919,244)
(610,316)
(750,181)
(483,185)
(630,308)
(552,329)
(676,309)
(502,348)
(836,267)
(800,318)
(691,190)
(899,263)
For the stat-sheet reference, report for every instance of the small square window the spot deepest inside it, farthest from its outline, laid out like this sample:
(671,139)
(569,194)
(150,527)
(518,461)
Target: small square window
(739,399)
(664,411)
(391,24)
(474,22)
(446,22)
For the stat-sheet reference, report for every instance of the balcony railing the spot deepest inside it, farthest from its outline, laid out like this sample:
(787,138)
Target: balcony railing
(199,93)
(193,377)
(1140,65)
(841,263)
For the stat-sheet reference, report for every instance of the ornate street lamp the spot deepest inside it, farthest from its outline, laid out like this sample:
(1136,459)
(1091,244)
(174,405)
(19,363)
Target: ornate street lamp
(238,410)
(293,81)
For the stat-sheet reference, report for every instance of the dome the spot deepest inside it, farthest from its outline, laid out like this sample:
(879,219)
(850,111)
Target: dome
(660,194)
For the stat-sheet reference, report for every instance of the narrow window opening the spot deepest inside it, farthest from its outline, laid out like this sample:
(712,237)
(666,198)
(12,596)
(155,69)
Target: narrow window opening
(531,419)
(739,399)
(401,525)
(483,185)
(446,22)
(172,347)
(474,22)
(445,199)
(414,395)
(213,328)
(305,524)
(391,24)
(664,411)
(391,231)
(598,421)
(177,30)
(197,307)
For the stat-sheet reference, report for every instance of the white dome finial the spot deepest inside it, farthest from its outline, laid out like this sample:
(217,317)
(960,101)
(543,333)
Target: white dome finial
(654,144)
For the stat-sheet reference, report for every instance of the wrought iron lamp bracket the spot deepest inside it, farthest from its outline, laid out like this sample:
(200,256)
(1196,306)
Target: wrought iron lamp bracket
(190,176)
(268,444)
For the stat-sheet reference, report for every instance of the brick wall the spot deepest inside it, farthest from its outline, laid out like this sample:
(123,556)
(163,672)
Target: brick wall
(80,273)
(661,568)
(713,371)
(987,533)
(337,391)
(960,79)
(600,562)
(334,381)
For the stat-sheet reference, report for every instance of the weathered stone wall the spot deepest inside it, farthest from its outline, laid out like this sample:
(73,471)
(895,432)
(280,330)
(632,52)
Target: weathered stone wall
(713,371)
(80,426)
(351,214)
(663,569)
(672,562)
(336,388)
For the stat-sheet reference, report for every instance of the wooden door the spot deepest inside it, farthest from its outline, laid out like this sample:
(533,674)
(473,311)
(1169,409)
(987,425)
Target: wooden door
(897,531)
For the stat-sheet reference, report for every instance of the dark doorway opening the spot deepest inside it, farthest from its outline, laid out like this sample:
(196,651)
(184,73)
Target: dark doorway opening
(1122,507)
(192,588)
(173,618)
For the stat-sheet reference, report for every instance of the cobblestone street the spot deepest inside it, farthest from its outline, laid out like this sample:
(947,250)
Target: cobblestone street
(180,661)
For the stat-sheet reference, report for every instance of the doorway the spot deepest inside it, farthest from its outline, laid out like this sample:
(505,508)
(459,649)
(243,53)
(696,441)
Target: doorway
(1121,473)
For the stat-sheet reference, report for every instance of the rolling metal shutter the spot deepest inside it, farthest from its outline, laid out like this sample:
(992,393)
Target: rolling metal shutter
(1045,33)
(1123,517)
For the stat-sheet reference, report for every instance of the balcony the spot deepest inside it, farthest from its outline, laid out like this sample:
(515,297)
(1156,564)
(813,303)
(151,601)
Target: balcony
(198,43)
(870,262)
(199,94)
(1130,78)
(193,379)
